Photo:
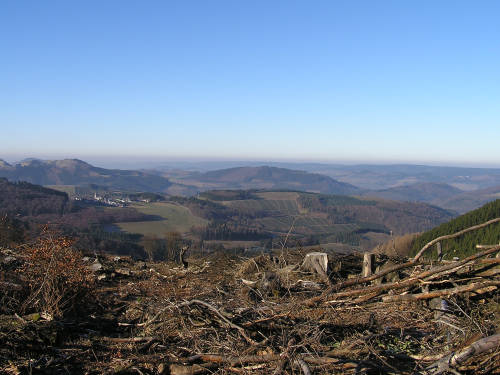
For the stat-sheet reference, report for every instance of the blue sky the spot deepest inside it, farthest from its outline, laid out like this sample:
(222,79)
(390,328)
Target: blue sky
(341,81)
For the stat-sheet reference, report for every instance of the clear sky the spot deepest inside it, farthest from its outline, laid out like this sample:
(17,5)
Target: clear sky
(371,81)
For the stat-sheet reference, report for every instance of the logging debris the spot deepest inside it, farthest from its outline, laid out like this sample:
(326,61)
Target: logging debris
(159,318)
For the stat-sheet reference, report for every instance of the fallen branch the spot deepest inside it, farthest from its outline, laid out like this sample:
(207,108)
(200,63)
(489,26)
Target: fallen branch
(128,339)
(304,367)
(363,280)
(414,279)
(454,360)
(10,286)
(439,293)
(241,330)
(242,360)
(284,357)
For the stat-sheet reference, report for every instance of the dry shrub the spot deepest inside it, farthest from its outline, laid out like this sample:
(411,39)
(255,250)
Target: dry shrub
(398,246)
(254,265)
(55,278)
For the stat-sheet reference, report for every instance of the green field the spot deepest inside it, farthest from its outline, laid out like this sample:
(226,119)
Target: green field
(175,218)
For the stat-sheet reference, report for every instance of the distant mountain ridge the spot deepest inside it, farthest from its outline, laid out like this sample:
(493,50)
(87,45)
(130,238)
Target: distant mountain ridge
(366,176)
(265,177)
(78,172)
(440,186)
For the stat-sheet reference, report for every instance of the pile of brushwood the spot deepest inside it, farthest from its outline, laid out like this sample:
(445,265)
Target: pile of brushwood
(65,312)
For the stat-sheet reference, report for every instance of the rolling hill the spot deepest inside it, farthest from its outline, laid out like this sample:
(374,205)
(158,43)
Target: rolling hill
(467,201)
(428,192)
(265,177)
(366,176)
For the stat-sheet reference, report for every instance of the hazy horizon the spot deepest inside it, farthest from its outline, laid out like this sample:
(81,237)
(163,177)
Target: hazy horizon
(142,162)
(381,82)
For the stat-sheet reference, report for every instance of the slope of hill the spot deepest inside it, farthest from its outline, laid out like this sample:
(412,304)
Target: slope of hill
(471,200)
(466,244)
(265,177)
(77,172)
(35,204)
(428,192)
(25,199)
(259,215)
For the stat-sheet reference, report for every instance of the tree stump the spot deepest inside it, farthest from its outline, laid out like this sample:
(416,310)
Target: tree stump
(317,263)
(313,260)
(368,262)
(439,251)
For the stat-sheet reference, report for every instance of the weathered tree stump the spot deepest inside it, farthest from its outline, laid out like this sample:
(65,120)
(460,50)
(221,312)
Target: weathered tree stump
(312,260)
(317,262)
(182,256)
(368,262)
(439,251)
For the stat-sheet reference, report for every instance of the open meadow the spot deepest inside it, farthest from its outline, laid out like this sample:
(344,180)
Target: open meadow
(174,218)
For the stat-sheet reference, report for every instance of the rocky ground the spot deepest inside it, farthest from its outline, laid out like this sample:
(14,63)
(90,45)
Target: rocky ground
(226,314)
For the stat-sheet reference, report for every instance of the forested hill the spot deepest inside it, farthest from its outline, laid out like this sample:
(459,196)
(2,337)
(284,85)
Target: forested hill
(25,199)
(265,177)
(466,244)
(80,173)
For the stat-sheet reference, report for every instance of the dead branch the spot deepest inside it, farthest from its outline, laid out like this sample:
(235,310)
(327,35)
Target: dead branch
(241,330)
(262,320)
(438,293)
(10,286)
(454,360)
(284,357)
(362,280)
(189,370)
(415,279)
(266,358)
(128,339)
(449,236)
(484,246)
(235,360)
(304,366)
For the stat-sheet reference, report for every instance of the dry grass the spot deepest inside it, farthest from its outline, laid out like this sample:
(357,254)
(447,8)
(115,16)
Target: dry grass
(397,246)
